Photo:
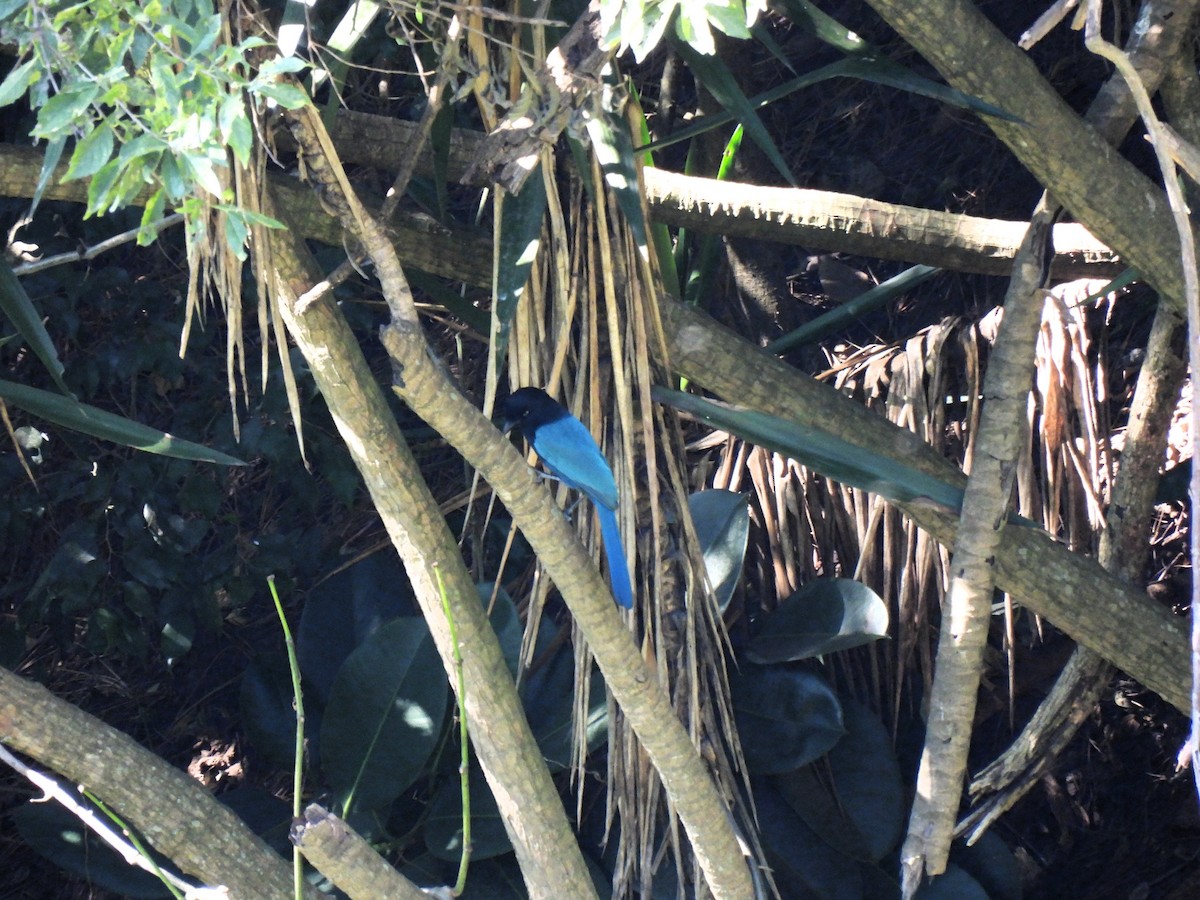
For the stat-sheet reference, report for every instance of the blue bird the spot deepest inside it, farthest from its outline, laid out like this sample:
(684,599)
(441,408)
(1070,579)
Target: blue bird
(570,452)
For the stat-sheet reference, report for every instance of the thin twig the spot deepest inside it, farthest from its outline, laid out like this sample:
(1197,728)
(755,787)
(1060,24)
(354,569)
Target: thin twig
(62,259)
(53,789)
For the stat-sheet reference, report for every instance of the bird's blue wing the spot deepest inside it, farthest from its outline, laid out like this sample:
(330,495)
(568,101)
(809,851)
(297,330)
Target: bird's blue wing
(618,571)
(570,452)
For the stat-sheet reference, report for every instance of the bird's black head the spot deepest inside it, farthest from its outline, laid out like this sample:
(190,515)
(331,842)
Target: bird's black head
(529,408)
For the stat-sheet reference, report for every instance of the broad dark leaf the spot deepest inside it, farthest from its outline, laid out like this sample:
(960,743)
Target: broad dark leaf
(722,521)
(384,715)
(786,718)
(822,616)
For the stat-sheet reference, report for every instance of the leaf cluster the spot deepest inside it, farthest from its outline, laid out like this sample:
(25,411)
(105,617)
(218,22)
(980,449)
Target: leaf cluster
(152,97)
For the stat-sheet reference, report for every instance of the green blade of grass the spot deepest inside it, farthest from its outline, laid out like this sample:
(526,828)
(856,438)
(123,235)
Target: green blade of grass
(15,304)
(847,312)
(81,417)
(820,451)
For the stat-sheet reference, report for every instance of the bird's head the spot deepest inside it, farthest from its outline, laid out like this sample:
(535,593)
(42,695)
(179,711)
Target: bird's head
(528,409)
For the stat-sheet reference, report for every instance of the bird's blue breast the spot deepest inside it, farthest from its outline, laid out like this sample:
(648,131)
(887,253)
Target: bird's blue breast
(570,452)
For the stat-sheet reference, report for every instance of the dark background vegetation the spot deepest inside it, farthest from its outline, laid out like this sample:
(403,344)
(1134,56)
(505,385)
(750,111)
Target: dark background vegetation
(153,632)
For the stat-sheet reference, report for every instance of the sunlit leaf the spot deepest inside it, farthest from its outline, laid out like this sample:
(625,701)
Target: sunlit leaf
(385,714)
(520,237)
(17,82)
(62,111)
(91,153)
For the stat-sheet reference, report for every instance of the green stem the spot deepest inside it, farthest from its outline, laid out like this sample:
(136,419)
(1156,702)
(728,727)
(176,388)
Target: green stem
(298,764)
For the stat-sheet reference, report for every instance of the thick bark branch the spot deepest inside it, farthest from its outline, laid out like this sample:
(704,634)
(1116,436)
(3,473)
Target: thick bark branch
(967,609)
(454,253)
(171,810)
(842,222)
(1116,620)
(1099,187)
(345,858)
(533,813)
(635,688)
(819,220)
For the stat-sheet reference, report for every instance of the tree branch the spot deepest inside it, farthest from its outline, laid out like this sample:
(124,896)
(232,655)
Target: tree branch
(201,835)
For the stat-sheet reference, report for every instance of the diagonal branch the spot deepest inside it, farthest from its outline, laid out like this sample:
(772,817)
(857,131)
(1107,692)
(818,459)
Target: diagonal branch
(1086,174)
(1099,611)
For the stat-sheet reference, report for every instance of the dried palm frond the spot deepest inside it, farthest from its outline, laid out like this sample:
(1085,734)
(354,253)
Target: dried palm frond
(585,329)
(930,384)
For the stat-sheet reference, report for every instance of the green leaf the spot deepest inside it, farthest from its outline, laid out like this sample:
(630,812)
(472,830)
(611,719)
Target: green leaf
(822,452)
(60,837)
(289,96)
(867,61)
(61,112)
(54,151)
(268,711)
(722,521)
(867,69)
(822,616)
(384,715)
(236,234)
(952,884)
(172,177)
(992,864)
(719,81)
(858,805)
(142,145)
(611,143)
(15,304)
(151,216)
(660,234)
(282,65)
(786,718)
(506,622)
(203,173)
(342,611)
(444,825)
(886,72)
(548,698)
(78,416)
(802,863)
(520,237)
(241,138)
(867,301)
(100,188)
(17,82)
(824,27)
(91,153)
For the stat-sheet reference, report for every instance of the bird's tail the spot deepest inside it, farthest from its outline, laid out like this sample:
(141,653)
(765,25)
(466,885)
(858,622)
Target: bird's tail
(618,571)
